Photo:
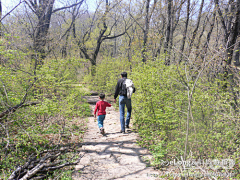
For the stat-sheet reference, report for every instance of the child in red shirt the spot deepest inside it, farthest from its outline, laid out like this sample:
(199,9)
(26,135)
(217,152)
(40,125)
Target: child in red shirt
(101,107)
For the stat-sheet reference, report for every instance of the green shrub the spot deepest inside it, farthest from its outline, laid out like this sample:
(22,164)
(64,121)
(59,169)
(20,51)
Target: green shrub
(108,71)
(161,107)
(60,109)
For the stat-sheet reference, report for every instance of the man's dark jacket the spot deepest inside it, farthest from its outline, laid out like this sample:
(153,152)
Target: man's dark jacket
(118,90)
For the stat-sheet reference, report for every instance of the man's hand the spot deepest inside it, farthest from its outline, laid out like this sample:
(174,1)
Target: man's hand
(115,100)
(94,115)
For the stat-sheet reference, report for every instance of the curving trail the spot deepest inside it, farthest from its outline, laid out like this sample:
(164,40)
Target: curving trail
(113,156)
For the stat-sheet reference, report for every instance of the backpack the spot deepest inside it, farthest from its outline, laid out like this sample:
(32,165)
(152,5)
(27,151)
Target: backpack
(127,88)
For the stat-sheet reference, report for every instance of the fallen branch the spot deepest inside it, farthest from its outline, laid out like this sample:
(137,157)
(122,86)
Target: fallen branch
(36,168)
(33,171)
(14,108)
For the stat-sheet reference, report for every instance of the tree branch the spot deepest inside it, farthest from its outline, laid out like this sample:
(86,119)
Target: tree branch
(4,88)
(66,7)
(112,37)
(222,19)
(32,6)
(14,108)
(12,10)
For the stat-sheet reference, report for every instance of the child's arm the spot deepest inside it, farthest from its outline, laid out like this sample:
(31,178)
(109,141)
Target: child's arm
(95,110)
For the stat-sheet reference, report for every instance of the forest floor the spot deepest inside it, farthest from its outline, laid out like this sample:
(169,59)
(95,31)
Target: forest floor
(114,155)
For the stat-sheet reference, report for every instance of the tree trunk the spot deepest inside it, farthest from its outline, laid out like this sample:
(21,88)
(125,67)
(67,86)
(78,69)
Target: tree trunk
(196,28)
(231,34)
(185,31)
(158,51)
(168,31)
(205,46)
(145,32)
(44,14)
(1,18)
(234,32)
(236,56)
(92,56)
(43,9)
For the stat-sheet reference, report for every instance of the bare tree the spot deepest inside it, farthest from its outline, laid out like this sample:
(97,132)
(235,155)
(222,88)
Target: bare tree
(230,26)
(168,30)
(185,31)
(206,44)
(170,22)
(196,27)
(105,27)
(146,28)
(75,12)
(0,18)
(43,9)
(236,56)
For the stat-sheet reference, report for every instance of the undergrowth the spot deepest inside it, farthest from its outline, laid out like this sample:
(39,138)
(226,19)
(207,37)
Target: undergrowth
(168,98)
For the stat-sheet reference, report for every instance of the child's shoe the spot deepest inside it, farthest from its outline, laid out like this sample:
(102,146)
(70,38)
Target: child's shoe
(102,131)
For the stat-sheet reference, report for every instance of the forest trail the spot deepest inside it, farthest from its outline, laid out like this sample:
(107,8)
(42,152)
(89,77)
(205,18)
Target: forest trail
(113,156)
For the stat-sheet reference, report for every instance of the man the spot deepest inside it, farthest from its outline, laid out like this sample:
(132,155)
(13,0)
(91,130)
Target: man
(123,100)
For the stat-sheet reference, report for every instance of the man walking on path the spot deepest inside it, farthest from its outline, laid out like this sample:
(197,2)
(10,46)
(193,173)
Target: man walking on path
(123,100)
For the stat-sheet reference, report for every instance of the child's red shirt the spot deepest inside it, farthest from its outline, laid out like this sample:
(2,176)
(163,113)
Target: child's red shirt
(101,107)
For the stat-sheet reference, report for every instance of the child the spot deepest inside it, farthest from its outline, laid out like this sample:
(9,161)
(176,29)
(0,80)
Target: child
(100,107)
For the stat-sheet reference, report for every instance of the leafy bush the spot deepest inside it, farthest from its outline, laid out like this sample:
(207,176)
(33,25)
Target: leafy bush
(107,74)
(163,106)
(56,117)
(172,101)
(161,110)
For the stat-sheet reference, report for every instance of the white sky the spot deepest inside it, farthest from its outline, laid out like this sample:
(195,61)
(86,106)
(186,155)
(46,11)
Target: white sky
(8,5)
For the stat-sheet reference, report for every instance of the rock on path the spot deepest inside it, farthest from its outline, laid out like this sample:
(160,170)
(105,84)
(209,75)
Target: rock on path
(113,156)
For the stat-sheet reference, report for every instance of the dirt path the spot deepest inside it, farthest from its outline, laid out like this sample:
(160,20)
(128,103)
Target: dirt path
(114,156)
